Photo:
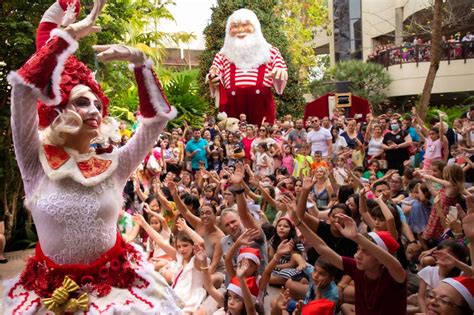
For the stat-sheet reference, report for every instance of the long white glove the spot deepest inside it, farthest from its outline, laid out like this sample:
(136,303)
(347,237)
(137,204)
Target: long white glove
(120,53)
(87,26)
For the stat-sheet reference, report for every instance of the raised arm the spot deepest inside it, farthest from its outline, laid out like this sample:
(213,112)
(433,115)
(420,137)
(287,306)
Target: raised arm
(364,212)
(247,296)
(311,221)
(182,208)
(155,236)
(320,246)
(385,258)
(154,107)
(182,226)
(201,257)
(242,208)
(389,219)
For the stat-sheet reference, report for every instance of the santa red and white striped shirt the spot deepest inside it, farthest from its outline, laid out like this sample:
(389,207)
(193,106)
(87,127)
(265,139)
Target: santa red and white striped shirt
(246,78)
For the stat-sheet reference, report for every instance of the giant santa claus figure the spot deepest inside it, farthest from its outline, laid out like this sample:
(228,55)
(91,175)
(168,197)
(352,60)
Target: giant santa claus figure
(245,69)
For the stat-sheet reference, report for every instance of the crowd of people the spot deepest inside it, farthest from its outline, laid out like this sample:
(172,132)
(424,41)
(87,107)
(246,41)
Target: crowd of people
(454,47)
(346,216)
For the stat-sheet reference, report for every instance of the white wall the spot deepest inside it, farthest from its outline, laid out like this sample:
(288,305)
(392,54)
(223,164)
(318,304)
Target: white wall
(410,79)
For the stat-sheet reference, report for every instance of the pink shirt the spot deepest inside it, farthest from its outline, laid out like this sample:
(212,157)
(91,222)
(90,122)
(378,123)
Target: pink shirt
(433,149)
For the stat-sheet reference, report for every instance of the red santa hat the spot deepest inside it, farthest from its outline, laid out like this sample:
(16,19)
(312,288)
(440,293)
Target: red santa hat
(250,253)
(251,282)
(385,240)
(74,72)
(320,307)
(465,287)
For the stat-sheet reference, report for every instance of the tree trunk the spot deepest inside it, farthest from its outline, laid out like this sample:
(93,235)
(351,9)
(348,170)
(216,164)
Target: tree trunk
(435,59)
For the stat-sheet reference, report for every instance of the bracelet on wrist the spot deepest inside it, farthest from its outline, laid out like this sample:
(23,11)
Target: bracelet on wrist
(205,268)
(298,223)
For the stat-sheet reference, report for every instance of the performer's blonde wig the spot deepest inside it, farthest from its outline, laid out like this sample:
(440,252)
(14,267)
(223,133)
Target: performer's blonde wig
(68,121)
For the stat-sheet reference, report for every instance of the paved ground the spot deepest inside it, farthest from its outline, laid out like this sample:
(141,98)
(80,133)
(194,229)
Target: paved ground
(17,261)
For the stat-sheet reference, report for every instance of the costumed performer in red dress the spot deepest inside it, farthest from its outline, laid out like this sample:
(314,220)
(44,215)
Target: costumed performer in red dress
(81,264)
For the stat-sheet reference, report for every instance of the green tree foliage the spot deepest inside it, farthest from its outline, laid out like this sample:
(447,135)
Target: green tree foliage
(291,102)
(368,80)
(302,21)
(18,20)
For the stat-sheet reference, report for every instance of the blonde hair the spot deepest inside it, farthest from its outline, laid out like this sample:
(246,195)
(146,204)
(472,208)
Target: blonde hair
(67,122)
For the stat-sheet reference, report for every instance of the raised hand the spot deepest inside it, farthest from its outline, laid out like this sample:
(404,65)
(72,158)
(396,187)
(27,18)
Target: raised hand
(247,238)
(119,52)
(308,183)
(444,258)
(348,228)
(284,298)
(200,254)
(238,177)
(172,187)
(181,224)
(87,26)
(285,247)
(242,268)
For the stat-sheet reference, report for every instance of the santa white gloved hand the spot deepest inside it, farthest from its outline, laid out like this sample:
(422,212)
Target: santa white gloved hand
(87,26)
(117,52)
(213,77)
(278,74)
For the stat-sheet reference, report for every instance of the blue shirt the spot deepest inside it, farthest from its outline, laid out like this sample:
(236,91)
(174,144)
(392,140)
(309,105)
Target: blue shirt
(413,134)
(201,155)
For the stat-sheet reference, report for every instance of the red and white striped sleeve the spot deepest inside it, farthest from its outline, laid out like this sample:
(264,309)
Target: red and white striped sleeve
(277,61)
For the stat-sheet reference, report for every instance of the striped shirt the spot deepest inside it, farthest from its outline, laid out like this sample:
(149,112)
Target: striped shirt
(245,78)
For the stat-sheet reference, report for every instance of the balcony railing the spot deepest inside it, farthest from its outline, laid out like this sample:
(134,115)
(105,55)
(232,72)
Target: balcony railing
(412,53)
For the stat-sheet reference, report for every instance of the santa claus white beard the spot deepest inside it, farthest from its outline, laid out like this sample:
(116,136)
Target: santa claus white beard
(247,53)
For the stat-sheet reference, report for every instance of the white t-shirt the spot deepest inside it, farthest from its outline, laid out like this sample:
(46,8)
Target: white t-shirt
(318,140)
(430,275)
(339,145)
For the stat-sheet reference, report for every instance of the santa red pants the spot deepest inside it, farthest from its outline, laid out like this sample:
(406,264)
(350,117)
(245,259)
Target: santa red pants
(254,101)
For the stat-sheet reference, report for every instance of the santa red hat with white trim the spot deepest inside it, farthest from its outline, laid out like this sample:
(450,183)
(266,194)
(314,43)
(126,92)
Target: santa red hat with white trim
(250,253)
(320,307)
(385,240)
(251,282)
(465,287)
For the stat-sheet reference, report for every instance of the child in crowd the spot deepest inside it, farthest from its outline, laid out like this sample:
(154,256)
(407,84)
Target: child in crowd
(184,273)
(291,264)
(322,286)
(318,161)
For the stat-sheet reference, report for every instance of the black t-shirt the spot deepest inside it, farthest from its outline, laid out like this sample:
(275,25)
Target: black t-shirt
(396,154)
(351,141)
(341,245)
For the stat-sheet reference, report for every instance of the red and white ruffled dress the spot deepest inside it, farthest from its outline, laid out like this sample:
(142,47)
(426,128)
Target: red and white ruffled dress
(75,201)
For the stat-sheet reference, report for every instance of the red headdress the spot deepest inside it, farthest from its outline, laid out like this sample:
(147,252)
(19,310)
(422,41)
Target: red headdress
(251,282)
(63,12)
(250,253)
